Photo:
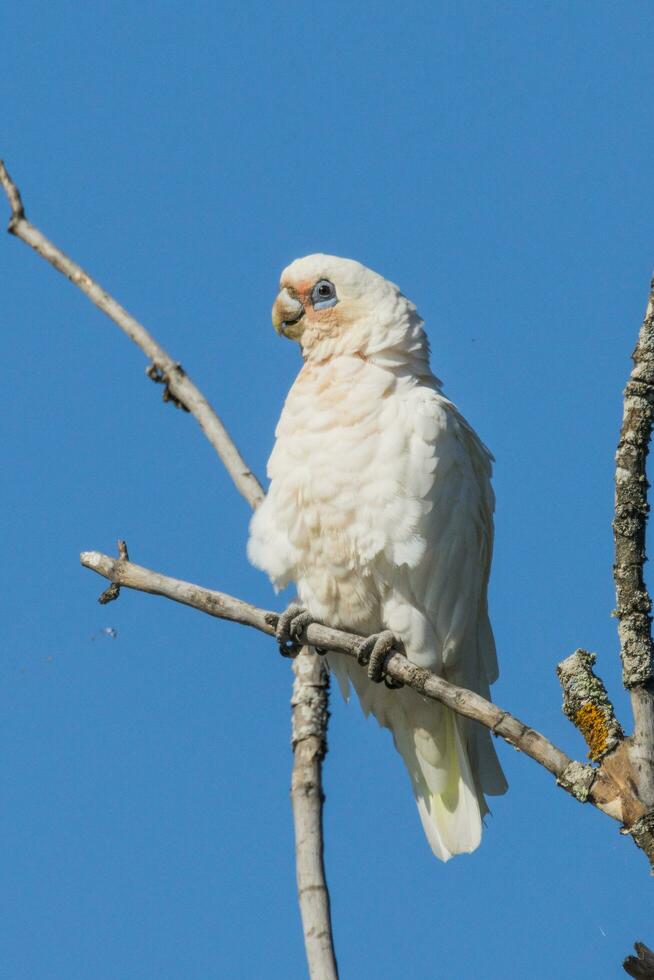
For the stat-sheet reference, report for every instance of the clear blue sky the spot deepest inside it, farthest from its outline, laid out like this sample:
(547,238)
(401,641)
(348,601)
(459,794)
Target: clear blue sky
(494,159)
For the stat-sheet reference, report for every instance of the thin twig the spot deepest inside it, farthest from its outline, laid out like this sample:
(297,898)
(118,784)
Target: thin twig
(633,606)
(178,386)
(571,775)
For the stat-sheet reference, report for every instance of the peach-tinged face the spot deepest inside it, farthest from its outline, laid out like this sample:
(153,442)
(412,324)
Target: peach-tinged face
(307,310)
(330,305)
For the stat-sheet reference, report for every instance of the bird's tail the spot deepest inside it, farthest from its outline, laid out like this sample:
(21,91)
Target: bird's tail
(451,760)
(450,803)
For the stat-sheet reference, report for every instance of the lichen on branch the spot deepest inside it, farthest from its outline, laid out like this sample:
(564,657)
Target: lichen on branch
(587,705)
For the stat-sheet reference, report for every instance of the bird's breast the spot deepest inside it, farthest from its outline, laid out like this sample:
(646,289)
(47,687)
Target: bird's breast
(332,475)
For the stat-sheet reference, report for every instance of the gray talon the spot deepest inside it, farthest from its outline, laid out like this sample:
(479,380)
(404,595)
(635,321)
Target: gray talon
(290,626)
(299,625)
(283,631)
(373,654)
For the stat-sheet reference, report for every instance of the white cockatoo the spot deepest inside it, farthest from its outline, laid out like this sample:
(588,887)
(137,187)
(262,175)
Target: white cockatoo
(380,511)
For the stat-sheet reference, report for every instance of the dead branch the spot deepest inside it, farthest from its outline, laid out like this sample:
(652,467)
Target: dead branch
(180,390)
(633,605)
(582,781)
(622,785)
(310,713)
(178,387)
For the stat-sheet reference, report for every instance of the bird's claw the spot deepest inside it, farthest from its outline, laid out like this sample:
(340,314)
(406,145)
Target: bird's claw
(290,627)
(373,653)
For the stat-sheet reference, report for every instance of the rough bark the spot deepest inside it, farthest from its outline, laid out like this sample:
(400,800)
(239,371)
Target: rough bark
(633,603)
(587,705)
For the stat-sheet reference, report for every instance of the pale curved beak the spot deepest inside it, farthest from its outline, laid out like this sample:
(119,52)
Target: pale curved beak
(287,312)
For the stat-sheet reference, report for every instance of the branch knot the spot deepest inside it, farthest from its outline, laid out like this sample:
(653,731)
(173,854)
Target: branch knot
(160,376)
(112,593)
(578,780)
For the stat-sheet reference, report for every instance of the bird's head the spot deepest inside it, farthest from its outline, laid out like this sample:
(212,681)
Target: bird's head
(332,305)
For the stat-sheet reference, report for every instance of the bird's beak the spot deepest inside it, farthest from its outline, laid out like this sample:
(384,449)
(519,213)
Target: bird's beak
(287,312)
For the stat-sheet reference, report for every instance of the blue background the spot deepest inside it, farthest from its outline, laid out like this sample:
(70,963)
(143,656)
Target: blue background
(494,159)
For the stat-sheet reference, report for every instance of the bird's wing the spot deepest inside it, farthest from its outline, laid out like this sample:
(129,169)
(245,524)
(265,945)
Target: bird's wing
(449,583)
(432,575)
(450,469)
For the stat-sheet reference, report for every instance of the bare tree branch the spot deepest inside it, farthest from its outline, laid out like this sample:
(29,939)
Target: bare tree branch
(310,697)
(622,785)
(179,389)
(178,386)
(583,782)
(633,606)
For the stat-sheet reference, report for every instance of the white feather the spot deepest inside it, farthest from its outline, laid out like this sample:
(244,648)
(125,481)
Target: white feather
(380,510)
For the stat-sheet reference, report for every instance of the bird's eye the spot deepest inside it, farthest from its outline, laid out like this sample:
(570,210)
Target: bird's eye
(323,295)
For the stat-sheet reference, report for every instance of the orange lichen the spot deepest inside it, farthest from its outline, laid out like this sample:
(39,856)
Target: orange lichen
(592,723)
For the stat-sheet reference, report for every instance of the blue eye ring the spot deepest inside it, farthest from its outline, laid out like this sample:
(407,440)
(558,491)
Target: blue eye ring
(323,295)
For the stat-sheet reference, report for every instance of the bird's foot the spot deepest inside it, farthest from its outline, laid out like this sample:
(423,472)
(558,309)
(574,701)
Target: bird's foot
(373,653)
(291,626)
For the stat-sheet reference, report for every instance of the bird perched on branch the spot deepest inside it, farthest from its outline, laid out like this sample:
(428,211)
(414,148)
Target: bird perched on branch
(380,511)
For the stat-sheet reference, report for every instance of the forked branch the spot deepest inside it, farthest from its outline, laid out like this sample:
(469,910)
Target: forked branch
(179,389)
